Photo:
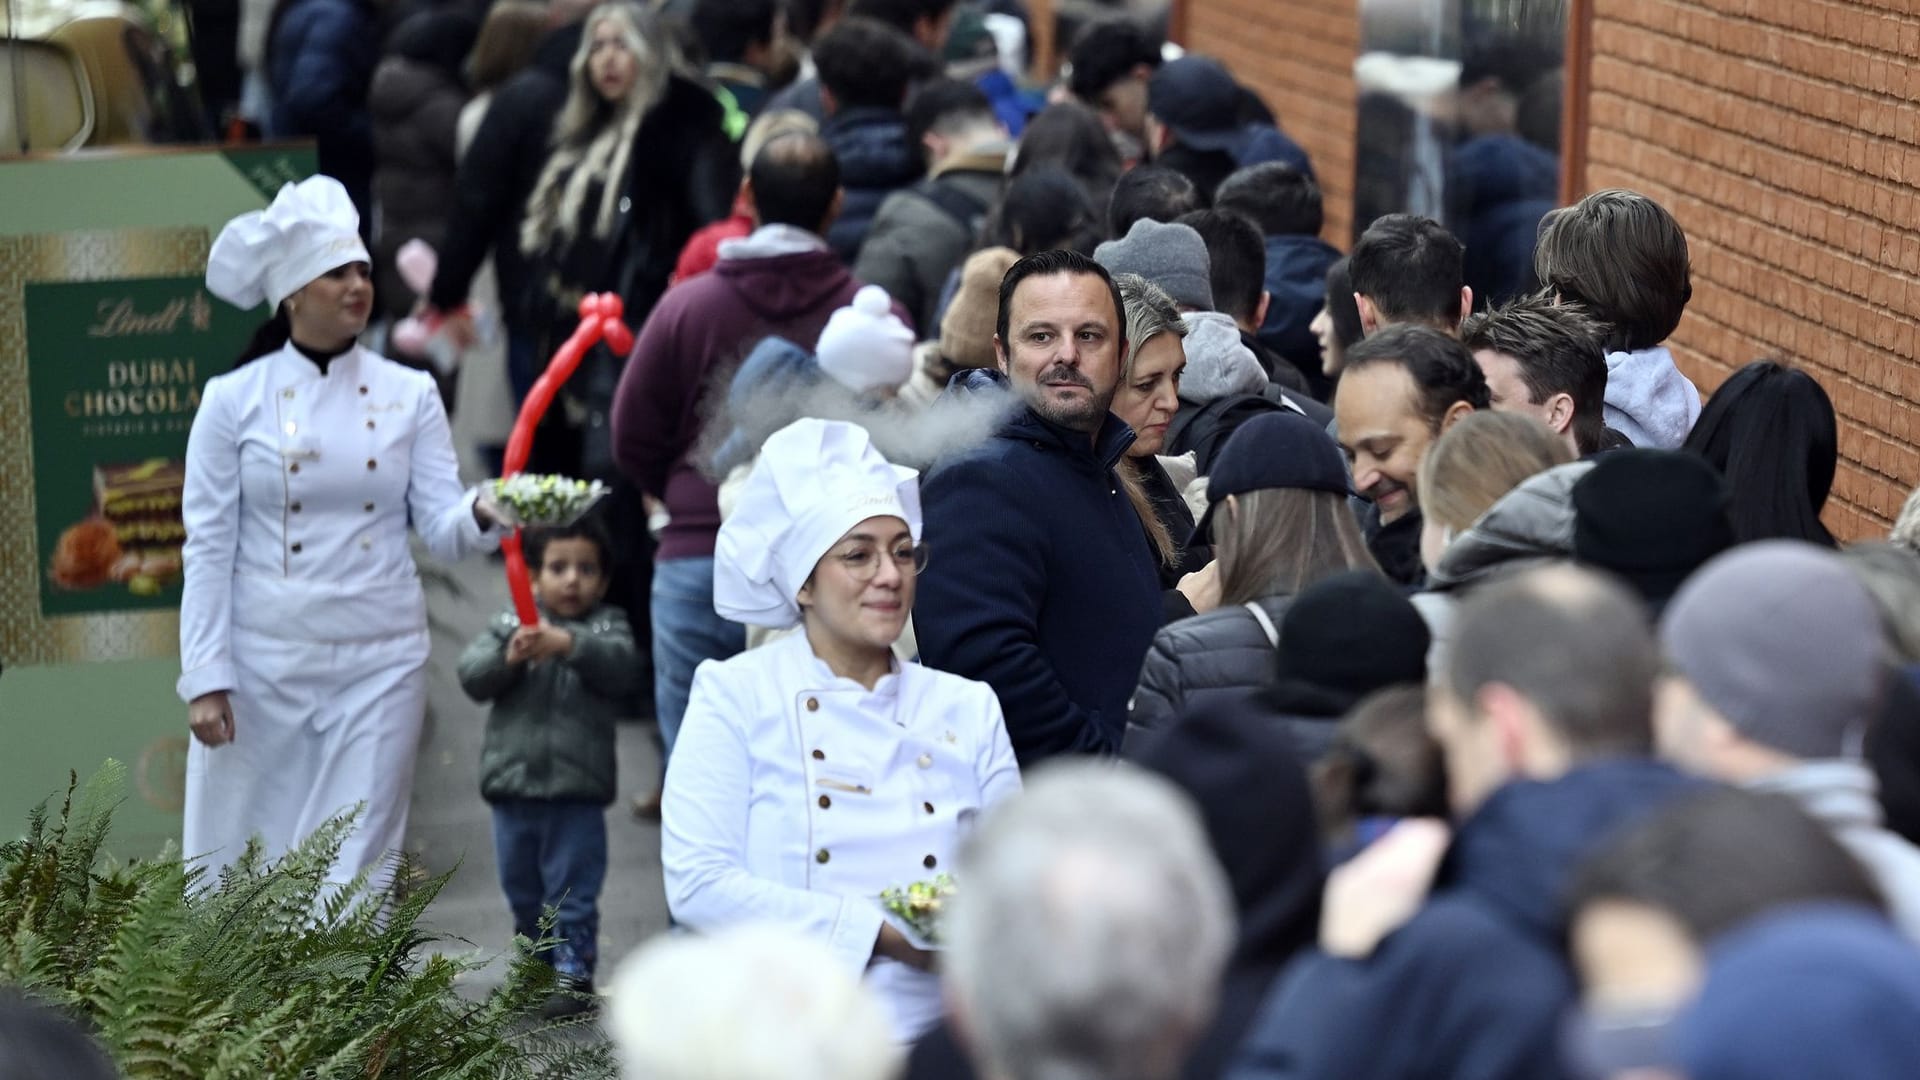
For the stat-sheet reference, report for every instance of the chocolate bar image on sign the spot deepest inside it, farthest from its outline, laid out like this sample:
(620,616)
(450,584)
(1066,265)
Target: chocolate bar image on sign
(141,500)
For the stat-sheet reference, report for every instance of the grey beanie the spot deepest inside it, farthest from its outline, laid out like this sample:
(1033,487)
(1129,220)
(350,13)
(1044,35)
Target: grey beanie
(1173,257)
(1782,640)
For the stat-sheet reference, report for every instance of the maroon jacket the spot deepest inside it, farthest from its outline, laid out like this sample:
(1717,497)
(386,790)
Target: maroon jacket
(696,336)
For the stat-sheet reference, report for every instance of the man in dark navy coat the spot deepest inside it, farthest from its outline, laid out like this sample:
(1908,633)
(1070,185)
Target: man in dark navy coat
(1043,585)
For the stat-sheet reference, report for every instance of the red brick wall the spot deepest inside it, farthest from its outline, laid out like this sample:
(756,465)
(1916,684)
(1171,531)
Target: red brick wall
(1298,54)
(1784,138)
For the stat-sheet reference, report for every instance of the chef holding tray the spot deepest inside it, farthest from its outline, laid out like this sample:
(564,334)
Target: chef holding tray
(303,626)
(817,771)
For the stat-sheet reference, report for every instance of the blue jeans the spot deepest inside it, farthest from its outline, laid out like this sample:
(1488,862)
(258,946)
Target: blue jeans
(553,854)
(686,630)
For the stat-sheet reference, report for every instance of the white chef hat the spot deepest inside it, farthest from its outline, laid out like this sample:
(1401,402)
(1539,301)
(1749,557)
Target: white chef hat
(815,480)
(865,346)
(268,255)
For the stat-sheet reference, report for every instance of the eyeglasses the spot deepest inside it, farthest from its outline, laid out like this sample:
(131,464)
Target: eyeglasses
(863,563)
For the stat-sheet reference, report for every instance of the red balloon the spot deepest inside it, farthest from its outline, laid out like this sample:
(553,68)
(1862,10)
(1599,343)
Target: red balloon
(600,315)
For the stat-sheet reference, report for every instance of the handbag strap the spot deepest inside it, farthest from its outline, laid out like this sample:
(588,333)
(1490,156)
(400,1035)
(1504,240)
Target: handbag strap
(1266,622)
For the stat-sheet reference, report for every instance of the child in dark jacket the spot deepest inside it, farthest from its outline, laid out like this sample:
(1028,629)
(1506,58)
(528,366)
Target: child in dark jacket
(547,765)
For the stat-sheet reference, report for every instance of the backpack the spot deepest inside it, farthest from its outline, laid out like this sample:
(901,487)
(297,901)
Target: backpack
(1203,431)
(953,202)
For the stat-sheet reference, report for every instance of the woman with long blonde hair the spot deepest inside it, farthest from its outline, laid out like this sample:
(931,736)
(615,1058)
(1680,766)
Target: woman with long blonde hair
(639,160)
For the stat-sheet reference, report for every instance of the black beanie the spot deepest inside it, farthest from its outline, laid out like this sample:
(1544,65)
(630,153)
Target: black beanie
(1353,633)
(1651,516)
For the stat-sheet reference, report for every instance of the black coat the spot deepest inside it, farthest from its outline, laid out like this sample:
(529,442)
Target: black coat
(320,62)
(1213,658)
(1250,786)
(1171,508)
(1893,749)
(415,102)
(1044,585)
(875,161)
(682,173)
(1395,546)
(498,174)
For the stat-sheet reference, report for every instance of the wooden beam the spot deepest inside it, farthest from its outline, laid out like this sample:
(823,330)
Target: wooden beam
(1574,101)
(1040,27)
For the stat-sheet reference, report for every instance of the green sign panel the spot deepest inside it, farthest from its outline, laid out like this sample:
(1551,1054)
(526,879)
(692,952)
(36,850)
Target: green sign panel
(117,372)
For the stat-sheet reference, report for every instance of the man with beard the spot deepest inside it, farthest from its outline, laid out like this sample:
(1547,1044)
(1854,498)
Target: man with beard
(1041,582)
(1402,386)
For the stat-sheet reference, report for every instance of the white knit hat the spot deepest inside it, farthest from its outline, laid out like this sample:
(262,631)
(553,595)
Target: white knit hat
(268,255)
(815,480)
(865,346)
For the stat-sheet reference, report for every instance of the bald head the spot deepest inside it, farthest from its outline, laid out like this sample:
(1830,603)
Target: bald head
(795,180)
(1574,644)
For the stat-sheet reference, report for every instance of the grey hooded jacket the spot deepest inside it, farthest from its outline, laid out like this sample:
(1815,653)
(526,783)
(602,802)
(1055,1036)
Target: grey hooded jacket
(1531,524)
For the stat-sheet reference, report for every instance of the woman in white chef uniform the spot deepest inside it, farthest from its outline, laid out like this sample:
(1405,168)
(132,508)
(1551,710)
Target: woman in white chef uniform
(815,771)
(303,627)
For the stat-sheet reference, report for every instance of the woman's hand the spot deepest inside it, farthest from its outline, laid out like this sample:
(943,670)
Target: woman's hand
(893,945)
(1202,587)
(485,514)
(211,718)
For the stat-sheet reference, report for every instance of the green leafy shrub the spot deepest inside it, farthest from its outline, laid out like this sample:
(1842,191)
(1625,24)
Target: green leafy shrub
(268,971)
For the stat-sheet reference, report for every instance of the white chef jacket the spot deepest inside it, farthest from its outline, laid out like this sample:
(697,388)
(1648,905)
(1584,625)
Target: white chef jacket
(794,796)
(300,490)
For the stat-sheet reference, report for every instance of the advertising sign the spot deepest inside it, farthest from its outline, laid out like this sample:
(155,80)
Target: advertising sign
(118,370)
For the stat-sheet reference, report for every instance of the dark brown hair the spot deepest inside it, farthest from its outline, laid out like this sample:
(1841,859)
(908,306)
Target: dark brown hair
(1280,540)
(1444,372)
(508,39)
(1557,348)
(1717,859)
(1382,763)
(1621,256)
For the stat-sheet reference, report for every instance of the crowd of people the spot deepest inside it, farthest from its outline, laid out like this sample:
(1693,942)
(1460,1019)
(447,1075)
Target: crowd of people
(1487,704)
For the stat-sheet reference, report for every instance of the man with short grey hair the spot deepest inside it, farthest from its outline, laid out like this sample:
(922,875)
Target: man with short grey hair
(1089,939)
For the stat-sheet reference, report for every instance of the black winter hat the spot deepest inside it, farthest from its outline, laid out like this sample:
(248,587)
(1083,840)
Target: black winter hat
(1250,783)
(1652,517)
(1198,98)
(1273,450)
(1352,634)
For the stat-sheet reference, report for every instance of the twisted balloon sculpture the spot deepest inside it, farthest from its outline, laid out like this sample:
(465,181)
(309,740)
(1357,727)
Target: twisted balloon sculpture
(600,315)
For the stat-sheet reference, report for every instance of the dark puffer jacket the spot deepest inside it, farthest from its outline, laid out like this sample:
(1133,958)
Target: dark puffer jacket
(875,161)
(1210,659)
(550,731)
(416,100)
(320,63)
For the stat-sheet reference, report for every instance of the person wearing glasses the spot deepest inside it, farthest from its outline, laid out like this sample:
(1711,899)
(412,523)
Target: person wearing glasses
(817,771)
